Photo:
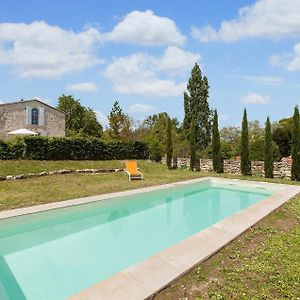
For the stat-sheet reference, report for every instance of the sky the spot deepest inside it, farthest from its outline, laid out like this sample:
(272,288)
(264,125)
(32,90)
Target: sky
(141,52)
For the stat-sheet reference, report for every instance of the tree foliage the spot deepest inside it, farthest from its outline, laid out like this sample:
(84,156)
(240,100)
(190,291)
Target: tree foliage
(155,128)
(169,144)
(196,107)
(119,123)
(80,121)
(216,148)
(282,135)
(268,151)
(296,146)
(193,145)
(256,150)
(245,161)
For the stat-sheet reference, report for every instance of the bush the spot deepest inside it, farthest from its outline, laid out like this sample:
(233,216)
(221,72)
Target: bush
(5,151)
(257,150)
(155,151)
(226,151)
(43,148)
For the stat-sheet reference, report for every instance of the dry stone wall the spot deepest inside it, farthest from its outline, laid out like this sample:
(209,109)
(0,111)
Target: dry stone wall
(282,169)
(232,166)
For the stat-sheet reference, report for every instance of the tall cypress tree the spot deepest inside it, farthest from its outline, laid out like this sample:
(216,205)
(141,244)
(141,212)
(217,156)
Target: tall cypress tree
(216,150)
(196,106)
(296,146)
(169,144)
(245,161)
(268,151)
(192,145)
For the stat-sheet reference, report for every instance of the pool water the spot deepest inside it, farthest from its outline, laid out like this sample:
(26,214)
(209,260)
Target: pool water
(56,254)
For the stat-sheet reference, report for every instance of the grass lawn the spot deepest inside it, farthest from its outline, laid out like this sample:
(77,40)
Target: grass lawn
(15,167)
(264,263)
(41,190)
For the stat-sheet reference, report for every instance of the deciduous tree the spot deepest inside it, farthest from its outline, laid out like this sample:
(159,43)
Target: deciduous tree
(80,121)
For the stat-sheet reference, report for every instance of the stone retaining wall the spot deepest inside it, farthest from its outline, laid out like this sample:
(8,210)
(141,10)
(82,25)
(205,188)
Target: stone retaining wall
(282,169)
(231,166)
(30,175)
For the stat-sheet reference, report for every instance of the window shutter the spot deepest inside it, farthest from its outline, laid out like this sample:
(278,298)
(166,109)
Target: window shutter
(41,116)
(28,115)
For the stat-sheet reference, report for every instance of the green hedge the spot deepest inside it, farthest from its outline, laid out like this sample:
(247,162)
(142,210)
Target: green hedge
(43,148)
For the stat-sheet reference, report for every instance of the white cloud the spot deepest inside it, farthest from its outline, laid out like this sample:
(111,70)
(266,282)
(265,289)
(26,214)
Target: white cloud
(82,87)
(290,62)
(102,119)
(266,80)
(140,73)
(253,98)
(146,28)
(177,61)
(265,19)
(45,51)
(140,108)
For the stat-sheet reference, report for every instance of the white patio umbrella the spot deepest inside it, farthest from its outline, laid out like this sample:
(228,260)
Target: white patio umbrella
(22,131)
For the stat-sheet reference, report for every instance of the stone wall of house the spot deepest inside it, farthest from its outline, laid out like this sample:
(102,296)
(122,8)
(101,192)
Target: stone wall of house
(282,169)
(13,117)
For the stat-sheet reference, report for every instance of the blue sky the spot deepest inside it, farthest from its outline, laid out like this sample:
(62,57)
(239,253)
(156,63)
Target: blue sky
(141,53)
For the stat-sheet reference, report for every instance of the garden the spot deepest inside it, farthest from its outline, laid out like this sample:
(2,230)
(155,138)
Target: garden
(263,263)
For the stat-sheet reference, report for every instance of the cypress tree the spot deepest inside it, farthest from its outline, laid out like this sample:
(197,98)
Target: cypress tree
(268,151)
(245,161)
(216,150)
(196,106)
(296,146)
(192,145)
(169,144)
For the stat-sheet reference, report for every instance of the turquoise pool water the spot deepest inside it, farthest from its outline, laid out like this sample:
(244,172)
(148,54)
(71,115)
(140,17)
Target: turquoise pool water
(55,254)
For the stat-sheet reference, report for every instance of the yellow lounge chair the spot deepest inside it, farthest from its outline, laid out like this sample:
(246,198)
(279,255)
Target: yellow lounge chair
(132,170)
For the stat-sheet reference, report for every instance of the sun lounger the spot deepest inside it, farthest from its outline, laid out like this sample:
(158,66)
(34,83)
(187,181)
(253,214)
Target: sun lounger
(132,170)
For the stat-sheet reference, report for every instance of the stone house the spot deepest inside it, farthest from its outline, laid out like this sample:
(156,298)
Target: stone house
(33,115)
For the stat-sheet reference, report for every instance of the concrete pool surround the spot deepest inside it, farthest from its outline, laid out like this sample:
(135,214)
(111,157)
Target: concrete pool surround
(147,277)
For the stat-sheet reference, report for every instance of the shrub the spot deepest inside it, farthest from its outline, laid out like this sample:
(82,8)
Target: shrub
(155,151)
(5,151)
(43,148)
(257,150)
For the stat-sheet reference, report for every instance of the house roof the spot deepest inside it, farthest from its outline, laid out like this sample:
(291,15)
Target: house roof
(31,100)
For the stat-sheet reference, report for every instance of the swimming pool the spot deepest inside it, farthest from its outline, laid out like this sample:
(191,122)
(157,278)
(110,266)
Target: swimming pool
(56,254)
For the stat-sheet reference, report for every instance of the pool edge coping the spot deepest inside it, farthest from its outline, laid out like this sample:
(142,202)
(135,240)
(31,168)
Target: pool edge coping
(144,279)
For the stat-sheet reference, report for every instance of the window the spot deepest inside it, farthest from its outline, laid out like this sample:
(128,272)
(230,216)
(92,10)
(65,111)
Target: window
(34,116)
